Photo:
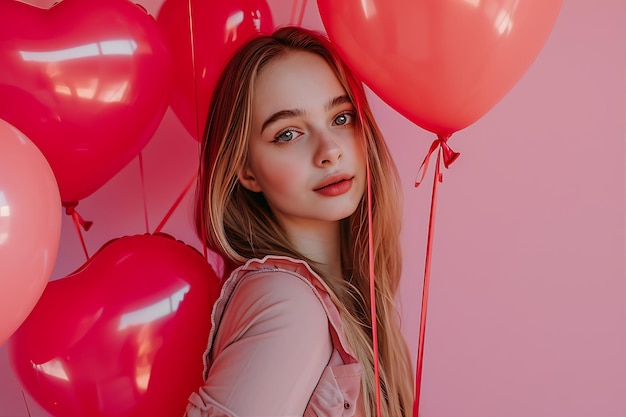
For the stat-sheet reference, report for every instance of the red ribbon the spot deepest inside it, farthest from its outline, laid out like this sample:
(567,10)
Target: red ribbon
(176,203)
(373,289)
(294,10)
(448,157)
(70,210)
(143,190)
(26,403)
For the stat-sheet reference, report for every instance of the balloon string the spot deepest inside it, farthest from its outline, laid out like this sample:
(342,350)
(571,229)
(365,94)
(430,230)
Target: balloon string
(70,209)
(373,289)
(198,133)
(448,156)
(301,16)
(176,203)
(193,69)
(143,190)
(425,289)
(294,10)
(76,219)
(26,403)
(204,245)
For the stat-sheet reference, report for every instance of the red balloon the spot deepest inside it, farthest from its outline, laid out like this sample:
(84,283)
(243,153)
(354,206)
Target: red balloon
(30,227)
(87,81)
(219,28)
(440,63)
(122,336)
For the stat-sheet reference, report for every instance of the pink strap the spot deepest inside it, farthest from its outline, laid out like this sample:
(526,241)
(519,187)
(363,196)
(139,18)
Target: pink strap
(345,356)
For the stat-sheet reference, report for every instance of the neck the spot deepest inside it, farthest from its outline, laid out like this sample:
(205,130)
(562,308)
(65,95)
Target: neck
(321,244)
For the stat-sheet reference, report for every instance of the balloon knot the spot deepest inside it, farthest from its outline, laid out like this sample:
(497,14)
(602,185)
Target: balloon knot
(70,210)
(448,155)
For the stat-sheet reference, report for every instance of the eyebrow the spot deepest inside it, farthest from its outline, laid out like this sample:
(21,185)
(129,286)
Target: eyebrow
(285,114)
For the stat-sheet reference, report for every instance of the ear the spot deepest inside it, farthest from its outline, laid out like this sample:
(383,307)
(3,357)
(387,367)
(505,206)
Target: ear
(247,180)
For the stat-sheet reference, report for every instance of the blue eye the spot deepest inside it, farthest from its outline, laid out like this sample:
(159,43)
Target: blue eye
(286,135)
(343,119)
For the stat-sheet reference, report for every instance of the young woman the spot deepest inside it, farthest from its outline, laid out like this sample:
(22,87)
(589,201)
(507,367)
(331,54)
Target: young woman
(282,195)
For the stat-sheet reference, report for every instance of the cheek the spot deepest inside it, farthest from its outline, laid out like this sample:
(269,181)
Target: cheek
(279,176)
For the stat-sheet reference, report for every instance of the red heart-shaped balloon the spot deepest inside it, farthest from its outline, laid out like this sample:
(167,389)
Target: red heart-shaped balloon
(87,81)
(122,336)
(441,63)
(219,28)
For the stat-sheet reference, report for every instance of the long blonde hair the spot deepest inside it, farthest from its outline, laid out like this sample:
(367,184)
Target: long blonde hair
(240,225)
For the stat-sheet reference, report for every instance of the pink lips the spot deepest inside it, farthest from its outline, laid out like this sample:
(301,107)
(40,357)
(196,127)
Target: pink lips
(335,186)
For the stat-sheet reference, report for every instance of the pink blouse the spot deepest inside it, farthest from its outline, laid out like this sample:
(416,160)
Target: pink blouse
(277,348)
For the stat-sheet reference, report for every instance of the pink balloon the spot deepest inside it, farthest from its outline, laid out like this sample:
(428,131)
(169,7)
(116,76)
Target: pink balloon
(441,63)
(122,336)
(87,81)
(219,27)
(30,227)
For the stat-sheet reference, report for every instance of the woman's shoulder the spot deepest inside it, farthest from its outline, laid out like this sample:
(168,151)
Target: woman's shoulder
(276,277)
(276,295)
(274,291)
(278,266)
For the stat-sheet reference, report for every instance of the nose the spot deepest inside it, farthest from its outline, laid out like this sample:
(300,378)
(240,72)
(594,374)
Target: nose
(328,151)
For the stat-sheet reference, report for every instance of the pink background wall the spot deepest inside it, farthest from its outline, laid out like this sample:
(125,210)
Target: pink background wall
(527,312)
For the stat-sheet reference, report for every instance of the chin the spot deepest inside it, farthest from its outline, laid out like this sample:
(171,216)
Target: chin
(347,213)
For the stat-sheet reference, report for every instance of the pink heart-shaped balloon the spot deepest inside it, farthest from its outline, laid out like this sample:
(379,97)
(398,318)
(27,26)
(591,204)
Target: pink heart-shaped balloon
(88,82)
(122,336)
(30,227)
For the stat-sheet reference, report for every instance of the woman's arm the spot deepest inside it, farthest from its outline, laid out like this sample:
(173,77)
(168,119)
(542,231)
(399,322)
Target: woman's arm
(271,347)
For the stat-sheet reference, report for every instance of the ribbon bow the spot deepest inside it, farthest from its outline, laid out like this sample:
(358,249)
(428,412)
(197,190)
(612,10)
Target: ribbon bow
(447,154)
(70,210)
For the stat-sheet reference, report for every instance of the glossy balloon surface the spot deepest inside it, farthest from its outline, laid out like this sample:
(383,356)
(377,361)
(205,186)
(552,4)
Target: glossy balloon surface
(440,63)
(122,336)
(87,81)
(30,227)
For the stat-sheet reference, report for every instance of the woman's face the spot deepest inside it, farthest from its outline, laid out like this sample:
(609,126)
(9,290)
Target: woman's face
(305,153)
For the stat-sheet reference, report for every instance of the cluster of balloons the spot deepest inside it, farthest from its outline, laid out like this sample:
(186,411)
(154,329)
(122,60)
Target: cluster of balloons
(84,86)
